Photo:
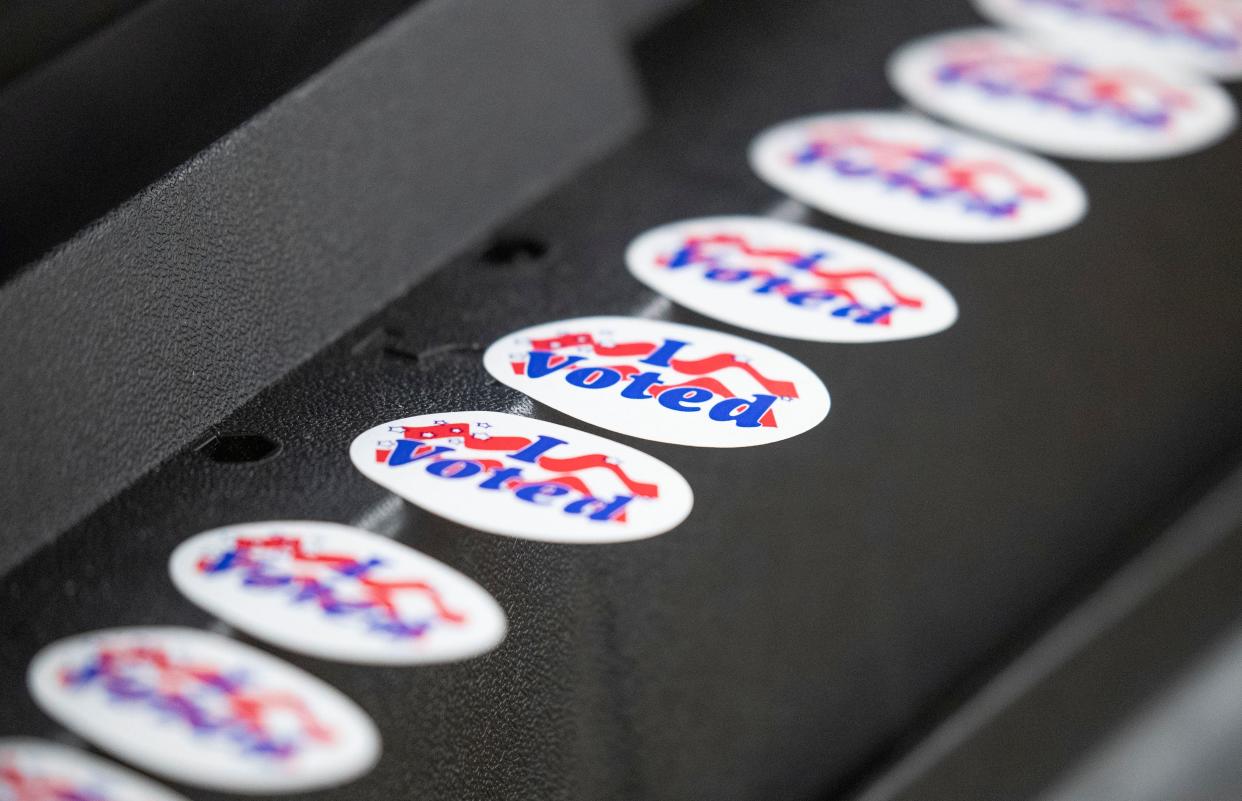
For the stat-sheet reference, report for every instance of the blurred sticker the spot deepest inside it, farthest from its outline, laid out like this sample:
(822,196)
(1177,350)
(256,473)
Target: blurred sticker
(1075,105)
(905,174)
(203,709)
(789,280)
(1204,35)
(337,592)
(37,770)
(662,381)
(524,478)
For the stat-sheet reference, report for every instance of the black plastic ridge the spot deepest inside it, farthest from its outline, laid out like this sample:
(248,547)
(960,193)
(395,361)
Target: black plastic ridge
(132,338)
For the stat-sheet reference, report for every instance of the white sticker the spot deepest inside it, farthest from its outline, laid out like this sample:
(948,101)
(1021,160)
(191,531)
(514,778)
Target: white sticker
(203,709)
(662,381)
(524,478)
(1078,105)
(1204,35)
(905,174)
(37,770)
(789,280)
(337,592)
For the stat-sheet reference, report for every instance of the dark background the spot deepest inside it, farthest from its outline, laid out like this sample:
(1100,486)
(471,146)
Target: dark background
(101,97)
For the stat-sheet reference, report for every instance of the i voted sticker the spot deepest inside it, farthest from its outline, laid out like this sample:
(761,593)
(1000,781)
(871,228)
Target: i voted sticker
(203,709)
(662,381)
(905,174)
(337,592)
(524,478)
(789,280)
(1204,35)
(37,770)
(1078,104)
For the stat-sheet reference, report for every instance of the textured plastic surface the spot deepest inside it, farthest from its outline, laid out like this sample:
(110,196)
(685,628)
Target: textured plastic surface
(142,89)
(1133,695)
(132,338)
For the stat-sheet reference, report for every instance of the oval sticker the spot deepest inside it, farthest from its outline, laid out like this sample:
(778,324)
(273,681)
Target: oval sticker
(1069,104)
(662,381)
(38,770)
(337,592)
(905,174)
(524,478)
(1204,35)
(789,280)
(203,709)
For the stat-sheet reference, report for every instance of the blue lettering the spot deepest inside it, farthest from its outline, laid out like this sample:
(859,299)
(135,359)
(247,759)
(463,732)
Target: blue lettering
(498,479)
(533,492)
(593,377)
(539,493)
(745,413)
(807,262)
(874,315)
(727,274)
(600,510)
(639,384)
(454,468)
(681,258)
(802,298)
(538,365)
(772,283)
(679,398)
(742,412)
(401,455)
(536,449)
(662,354)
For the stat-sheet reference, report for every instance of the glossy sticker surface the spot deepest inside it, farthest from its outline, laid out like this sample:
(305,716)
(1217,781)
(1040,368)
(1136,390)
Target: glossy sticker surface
(1073,104)
(662,381)
(38,770)
(789,280)
(908,175)
(524,478)
(203,709)
(1204,35)
(337,592)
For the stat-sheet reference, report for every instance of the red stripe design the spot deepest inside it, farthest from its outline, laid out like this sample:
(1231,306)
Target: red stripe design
(739,242)
(577,340)
(448,430)
(836,281)
(380,591)
(723,361)
(572,464)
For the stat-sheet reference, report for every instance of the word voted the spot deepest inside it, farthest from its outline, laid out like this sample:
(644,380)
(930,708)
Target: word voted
(695,253)
(646,385)
(438,461)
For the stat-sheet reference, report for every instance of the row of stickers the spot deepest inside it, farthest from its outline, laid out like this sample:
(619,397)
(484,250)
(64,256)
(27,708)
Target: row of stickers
(207,710)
